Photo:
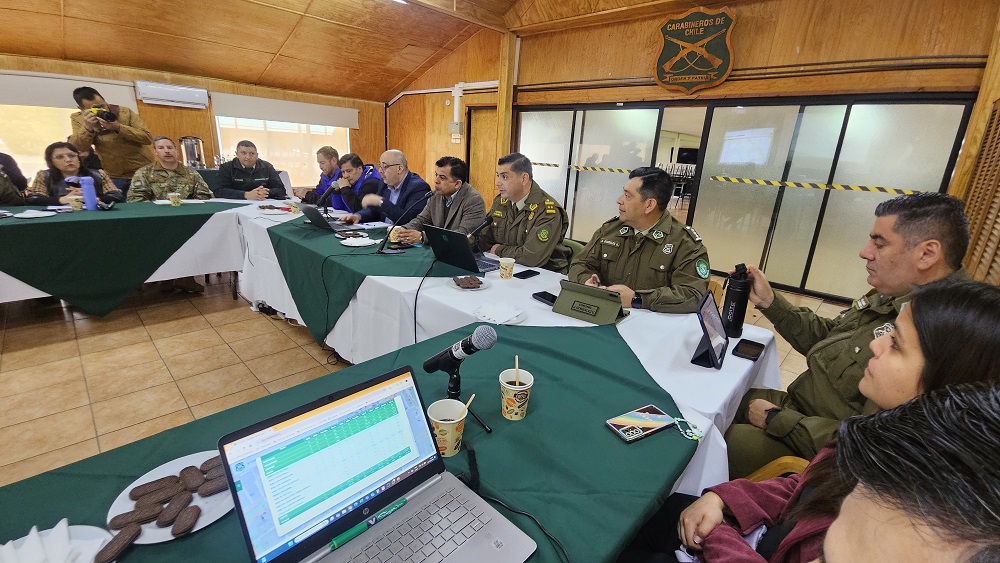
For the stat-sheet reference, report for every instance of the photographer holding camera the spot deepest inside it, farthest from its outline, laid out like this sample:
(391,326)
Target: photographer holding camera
(116,132)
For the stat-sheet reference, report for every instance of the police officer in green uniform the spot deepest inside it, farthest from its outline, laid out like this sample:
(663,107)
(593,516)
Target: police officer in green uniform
(916,239)
(652,260)
(528,224)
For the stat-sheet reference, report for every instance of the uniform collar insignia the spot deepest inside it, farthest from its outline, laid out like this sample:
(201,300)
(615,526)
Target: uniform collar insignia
(623,231)
(657,234)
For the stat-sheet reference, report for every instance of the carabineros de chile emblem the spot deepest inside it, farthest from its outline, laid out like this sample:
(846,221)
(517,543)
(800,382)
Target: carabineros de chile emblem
(696,51)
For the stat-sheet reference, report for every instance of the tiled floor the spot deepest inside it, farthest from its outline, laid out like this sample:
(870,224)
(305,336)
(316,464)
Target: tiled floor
(73,385)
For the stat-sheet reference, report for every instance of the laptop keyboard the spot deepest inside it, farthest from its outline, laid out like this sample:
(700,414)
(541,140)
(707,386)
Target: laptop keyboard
(429,535)
(487,264)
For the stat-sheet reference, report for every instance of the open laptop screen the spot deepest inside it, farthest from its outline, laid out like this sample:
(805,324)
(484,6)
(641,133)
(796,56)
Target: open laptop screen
(324,469)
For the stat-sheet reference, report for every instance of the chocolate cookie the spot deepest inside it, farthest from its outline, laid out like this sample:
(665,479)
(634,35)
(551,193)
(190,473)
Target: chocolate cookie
(146,488)
(160,496)
(185,521)
(468,282)
(191,478)
(215,473)
(210,463)
(177,504)
(214,486)
(118,544)
(140,515)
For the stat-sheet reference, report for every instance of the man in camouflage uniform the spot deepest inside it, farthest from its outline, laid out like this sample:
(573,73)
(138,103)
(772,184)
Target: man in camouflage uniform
(916,239)
(166,175)
(652,260)
(528,224)
(156,181)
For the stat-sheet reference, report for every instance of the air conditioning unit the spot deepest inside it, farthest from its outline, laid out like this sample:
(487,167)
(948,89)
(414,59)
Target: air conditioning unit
(171,95)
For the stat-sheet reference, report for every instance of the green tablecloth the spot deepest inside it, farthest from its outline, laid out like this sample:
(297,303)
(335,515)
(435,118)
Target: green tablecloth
(323,275)
(560,463)
(96,259)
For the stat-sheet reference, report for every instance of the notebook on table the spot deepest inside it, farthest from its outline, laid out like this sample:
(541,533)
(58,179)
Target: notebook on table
(359,468)
(453,248)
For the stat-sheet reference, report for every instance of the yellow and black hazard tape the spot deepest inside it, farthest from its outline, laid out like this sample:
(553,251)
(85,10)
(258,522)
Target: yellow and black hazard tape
(545,164)
(599,169)
(814,186)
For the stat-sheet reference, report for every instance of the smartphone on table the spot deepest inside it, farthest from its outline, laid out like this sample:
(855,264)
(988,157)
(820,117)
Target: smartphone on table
(748,349)
(639,423)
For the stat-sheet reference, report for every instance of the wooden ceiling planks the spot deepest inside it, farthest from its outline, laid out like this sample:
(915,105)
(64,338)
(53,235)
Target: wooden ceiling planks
(365,49)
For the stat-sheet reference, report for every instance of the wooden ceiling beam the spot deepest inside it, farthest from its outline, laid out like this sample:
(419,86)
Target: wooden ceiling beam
(638,10)
(466,11)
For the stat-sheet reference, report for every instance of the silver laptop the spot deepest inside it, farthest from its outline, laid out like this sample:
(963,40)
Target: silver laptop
(316,218)
(356,476)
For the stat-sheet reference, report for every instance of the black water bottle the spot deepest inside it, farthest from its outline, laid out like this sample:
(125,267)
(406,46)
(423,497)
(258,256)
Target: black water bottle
(734,308)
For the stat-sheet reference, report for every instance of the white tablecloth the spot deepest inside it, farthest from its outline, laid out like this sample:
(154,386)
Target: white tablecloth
(380,319)
(216,247)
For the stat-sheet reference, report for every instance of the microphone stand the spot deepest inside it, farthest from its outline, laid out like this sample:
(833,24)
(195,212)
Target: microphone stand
(381,247)
(455,392)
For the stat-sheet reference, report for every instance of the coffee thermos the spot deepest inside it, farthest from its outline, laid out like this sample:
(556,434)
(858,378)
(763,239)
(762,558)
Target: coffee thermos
(734,308)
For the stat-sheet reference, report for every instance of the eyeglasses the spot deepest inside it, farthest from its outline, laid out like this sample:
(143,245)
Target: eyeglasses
(383,165)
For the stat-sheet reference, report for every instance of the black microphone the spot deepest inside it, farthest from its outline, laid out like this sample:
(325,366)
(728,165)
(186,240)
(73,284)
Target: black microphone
(381,247)
(447,360)
(326,197)
(475,232)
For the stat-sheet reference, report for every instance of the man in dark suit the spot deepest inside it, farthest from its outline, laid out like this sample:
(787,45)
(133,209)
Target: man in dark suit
(455,205)
(400,189)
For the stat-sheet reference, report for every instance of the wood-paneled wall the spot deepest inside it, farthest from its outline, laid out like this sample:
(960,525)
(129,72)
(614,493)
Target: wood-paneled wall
(368,140)
(418,123)
(819,47)
(180,122)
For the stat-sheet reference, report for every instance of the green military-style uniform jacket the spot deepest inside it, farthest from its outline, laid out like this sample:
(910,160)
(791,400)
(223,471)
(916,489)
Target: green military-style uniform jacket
(837,352)
(667,267)
(152,182)
(9,194)
(532,236)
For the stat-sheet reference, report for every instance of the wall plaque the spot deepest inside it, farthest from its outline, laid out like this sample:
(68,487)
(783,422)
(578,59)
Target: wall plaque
(697,52)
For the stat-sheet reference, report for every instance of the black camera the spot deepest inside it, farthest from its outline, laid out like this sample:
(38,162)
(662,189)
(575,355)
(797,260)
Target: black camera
(104,114)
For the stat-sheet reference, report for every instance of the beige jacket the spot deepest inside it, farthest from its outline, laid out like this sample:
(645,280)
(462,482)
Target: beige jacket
(122,152)
(465,213)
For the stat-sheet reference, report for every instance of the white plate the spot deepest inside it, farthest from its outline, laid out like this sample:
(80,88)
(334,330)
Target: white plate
(212,508)
(486,284)
(34,214)
(500,314)
(359,241)
(167,201)
(272,211)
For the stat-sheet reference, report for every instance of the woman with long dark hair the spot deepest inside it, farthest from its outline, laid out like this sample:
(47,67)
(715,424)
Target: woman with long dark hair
(949,333)
(50,186)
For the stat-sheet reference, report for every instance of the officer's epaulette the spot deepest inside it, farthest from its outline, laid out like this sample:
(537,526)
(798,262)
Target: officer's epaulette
(611,220)
(694,234)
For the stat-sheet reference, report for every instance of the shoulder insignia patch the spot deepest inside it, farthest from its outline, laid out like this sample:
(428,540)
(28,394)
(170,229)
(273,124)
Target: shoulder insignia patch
(658,235)
(623,231)
(702,267)
(861,303)
(883,330)
(543,235)
(668,248)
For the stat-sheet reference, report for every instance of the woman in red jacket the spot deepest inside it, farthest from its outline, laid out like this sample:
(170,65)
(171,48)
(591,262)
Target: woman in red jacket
(949,333)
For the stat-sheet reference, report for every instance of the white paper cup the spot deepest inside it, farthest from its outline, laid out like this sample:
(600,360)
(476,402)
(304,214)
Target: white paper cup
(448,421)
(506,268)
(514,398)
(175,198)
